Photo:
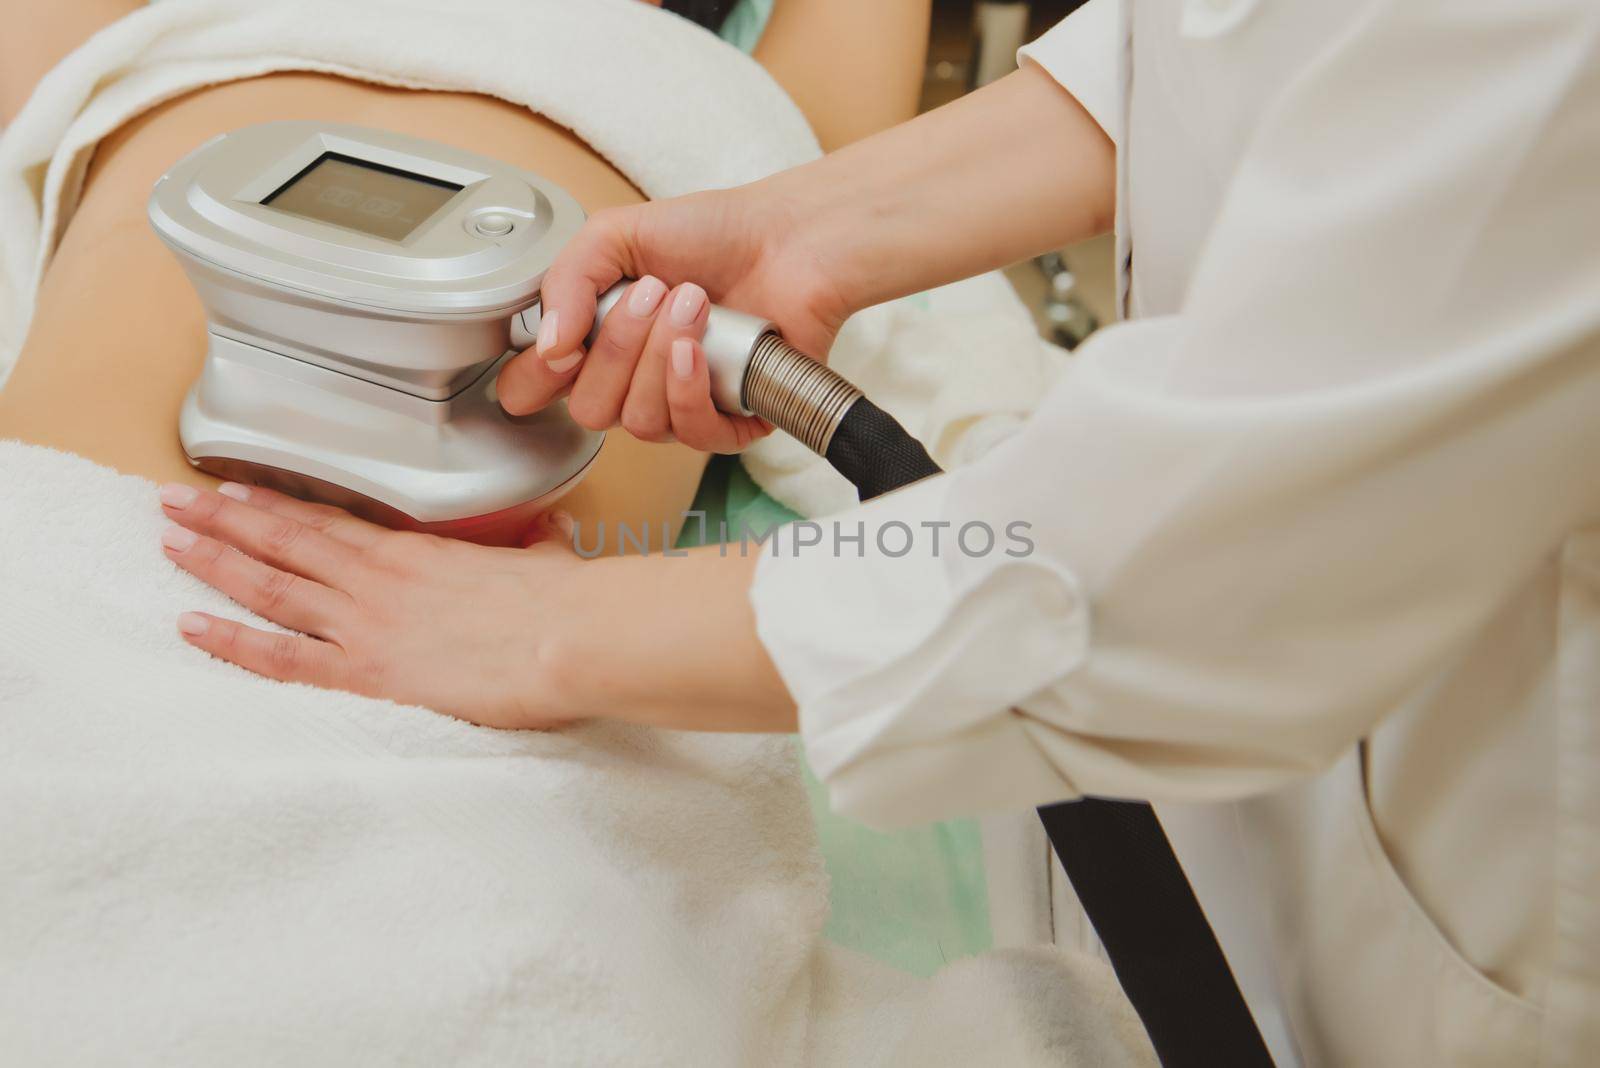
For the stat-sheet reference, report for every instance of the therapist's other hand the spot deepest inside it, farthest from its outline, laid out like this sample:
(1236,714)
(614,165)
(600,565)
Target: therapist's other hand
(411,617)
(742,248)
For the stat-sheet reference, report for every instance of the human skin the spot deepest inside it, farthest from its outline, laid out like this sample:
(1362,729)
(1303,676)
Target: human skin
(391,615)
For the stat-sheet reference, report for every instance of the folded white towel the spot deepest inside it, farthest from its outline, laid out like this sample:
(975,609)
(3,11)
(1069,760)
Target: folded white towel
(205,867)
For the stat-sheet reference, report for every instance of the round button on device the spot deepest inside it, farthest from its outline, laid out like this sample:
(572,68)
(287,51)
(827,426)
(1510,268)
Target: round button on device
(494,224)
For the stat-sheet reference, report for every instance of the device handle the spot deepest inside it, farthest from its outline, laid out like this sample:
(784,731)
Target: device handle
(753,371)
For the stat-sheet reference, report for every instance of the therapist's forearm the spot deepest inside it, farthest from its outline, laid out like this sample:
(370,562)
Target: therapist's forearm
(1012,170)
(680,650)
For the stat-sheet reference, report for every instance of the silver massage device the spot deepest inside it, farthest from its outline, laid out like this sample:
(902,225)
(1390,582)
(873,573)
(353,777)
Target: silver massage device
(362,289)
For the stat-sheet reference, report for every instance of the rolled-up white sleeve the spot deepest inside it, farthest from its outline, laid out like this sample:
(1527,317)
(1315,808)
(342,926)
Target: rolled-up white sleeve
(1083,52)
(1260,524)
(919,635)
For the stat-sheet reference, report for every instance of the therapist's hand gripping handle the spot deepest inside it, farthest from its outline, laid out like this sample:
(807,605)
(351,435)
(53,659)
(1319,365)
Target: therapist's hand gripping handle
(754,371)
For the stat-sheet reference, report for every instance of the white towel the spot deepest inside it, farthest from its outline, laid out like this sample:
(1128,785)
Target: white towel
(205,867)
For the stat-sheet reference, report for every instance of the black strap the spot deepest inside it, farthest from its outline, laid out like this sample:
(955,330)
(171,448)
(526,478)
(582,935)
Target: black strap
(1166,957)
(1121,865)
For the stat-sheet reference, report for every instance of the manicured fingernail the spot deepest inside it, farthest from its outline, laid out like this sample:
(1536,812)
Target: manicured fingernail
(687,304)
(566,363)
(683,357)
(234,490)
(645,295)
(178,539)
(193,624)
(177,495)
(549,332)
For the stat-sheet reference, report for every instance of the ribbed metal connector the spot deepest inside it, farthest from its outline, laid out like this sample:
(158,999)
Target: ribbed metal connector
(795,393)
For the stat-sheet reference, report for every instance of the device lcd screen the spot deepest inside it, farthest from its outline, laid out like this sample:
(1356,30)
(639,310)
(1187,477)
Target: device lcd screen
(382,201)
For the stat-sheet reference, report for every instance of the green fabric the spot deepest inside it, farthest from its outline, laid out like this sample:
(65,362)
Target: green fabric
(744,24)
(914,899)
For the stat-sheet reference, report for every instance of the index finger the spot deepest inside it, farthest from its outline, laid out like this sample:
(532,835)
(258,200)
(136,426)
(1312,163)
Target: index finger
(592,262)
(334,522)
(285,543)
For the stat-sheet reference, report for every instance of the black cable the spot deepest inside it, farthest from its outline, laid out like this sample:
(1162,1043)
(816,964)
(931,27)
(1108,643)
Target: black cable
(873,451)
(1121,865)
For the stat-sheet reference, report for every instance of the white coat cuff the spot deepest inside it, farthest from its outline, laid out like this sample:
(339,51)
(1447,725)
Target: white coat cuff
(906,655)
(1081,53)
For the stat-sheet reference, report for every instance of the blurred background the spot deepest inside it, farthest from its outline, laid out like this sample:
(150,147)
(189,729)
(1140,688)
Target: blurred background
(971,43)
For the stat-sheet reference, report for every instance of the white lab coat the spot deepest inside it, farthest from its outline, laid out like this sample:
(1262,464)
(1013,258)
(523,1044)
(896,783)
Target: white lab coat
(1317,532)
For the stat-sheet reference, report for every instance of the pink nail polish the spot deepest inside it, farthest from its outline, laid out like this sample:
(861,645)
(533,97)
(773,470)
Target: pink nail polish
(177,495)
(645,295)
(687,304)
(566,363)
(683,357)
(549,332)
(235,491)
(178,539)
(193,624)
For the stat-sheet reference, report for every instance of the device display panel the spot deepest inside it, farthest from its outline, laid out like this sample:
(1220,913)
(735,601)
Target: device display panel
(368,197)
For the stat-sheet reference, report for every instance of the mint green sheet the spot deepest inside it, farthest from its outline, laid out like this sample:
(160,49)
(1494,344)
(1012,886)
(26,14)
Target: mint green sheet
(744,23)
(914,899)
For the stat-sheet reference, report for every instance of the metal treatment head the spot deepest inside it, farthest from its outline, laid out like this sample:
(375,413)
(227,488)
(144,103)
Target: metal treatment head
(359,288)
